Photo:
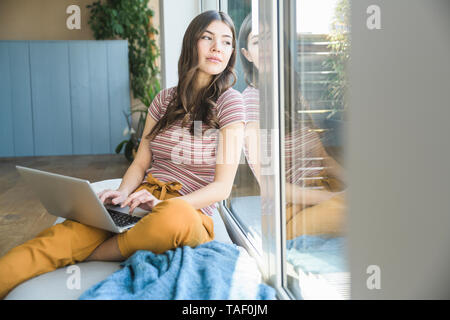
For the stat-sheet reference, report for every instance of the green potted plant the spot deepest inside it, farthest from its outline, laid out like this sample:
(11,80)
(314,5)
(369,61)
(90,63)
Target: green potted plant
(131,20)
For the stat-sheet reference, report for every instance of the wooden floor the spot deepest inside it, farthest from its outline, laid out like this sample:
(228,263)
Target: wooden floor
(22,216)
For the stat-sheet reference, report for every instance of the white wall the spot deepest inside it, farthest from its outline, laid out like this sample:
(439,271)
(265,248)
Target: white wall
(175,17)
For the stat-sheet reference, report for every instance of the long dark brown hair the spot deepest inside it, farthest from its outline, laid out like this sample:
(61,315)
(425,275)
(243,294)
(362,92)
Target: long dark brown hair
(190,105)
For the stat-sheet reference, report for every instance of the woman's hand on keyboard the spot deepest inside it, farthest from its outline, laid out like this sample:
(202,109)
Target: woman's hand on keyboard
(142,199)
(114,197)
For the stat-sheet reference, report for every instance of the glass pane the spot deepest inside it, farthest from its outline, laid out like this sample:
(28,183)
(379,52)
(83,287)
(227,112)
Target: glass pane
(244,201)
(313,151)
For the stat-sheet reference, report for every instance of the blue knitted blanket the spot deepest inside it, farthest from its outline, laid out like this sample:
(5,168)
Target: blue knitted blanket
(211,271)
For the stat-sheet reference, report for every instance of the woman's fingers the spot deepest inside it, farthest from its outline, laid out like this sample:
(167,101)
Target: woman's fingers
(135,203)
(106,196)
(141,198)
(101,193)
(133,206)
(132,197)
(115,201)
(146,200)
(109,196)
(115,197)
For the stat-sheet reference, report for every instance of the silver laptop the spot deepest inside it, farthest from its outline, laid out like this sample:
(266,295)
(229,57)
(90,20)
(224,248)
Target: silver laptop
(74,199)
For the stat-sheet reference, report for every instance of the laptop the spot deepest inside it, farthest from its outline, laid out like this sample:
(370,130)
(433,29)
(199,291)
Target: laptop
(74,199)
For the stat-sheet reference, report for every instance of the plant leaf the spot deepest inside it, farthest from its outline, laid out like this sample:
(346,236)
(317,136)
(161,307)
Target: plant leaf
(120,146)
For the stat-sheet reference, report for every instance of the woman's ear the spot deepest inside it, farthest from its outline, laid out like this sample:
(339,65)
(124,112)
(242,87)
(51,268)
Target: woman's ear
(246,54)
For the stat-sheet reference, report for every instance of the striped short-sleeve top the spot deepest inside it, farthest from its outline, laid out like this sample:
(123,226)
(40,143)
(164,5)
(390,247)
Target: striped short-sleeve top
(191,160)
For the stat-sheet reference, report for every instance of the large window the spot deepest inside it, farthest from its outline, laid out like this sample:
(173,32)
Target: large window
(315,58)
(289,197)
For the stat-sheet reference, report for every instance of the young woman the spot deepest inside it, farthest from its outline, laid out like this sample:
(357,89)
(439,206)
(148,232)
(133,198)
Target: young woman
(315,204)
(185,164)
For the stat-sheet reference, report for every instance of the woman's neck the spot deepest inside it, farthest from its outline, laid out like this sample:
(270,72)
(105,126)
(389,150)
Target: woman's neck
(202,80)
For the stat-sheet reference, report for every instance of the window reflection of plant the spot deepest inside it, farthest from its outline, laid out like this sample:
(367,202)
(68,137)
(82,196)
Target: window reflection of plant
(339,47)
(131,20)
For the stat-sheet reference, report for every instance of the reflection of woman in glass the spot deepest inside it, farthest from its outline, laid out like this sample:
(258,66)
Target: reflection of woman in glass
(314,203)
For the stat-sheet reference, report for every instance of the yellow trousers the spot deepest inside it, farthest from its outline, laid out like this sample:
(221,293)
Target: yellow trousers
(171,224)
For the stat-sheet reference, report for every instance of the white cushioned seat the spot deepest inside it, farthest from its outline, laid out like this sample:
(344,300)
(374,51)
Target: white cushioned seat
(54,285)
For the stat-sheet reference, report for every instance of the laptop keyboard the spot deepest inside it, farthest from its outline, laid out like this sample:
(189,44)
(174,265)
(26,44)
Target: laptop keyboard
(122,219)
